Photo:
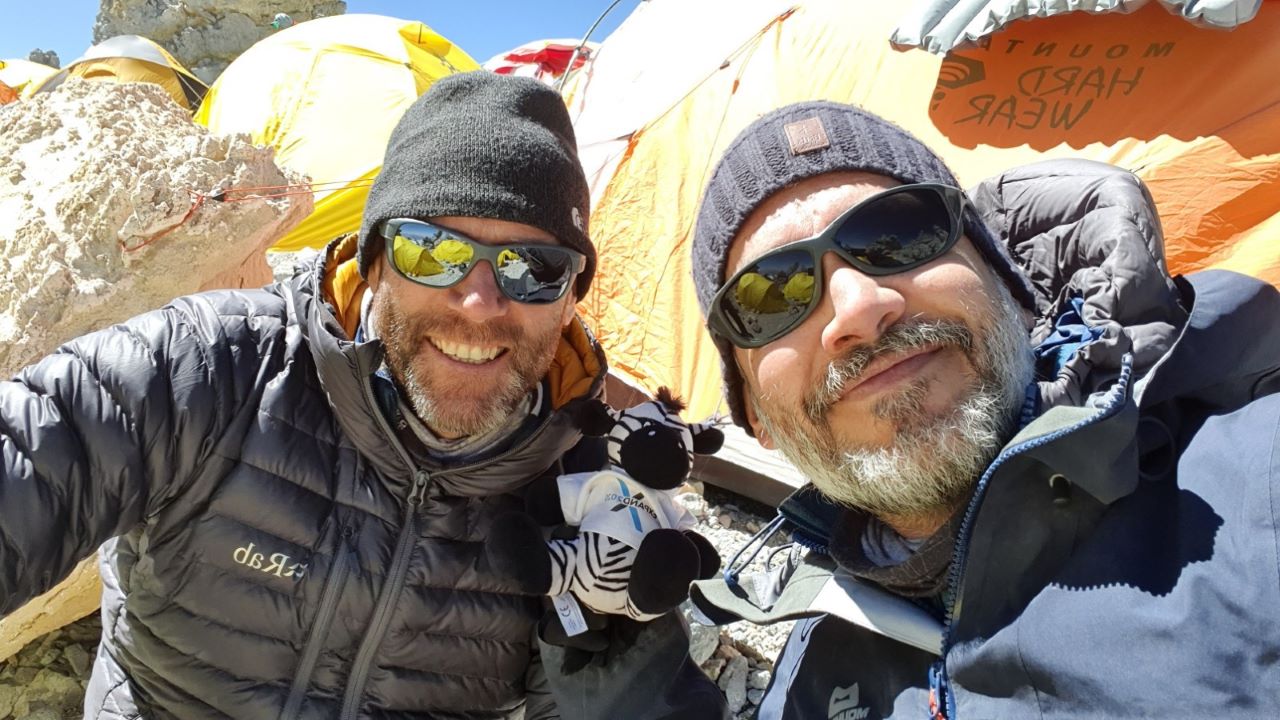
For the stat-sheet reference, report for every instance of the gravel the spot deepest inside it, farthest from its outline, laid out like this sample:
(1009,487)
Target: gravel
(741,662)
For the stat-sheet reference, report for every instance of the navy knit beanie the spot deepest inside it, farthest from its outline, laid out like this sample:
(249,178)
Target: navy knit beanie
(801,141)
(479,144)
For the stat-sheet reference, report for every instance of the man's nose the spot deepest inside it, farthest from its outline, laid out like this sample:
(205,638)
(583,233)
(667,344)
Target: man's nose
(861,307)
(477,296)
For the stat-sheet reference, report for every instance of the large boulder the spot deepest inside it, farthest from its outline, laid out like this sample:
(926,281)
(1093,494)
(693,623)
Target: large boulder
(205,35)
(102,218)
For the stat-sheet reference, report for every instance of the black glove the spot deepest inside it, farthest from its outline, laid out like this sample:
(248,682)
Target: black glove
(643,673)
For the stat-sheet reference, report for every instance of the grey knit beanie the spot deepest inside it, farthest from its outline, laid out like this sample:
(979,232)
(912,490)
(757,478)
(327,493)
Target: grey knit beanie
(478,144)
(801,141)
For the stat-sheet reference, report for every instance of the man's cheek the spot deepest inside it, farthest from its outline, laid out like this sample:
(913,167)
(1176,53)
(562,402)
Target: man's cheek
(780,374)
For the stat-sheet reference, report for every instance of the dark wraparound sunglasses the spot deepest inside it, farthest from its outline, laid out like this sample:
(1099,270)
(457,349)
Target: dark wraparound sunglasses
(438,257)
(890,232)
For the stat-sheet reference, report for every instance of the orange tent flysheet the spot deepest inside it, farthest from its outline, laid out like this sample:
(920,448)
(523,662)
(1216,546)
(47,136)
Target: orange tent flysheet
(1192,111)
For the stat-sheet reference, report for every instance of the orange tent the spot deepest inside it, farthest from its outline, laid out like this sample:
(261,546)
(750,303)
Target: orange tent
(7,94)
(1192,111)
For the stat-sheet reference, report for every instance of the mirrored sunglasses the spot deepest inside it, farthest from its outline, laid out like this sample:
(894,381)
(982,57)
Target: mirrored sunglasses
(438,257)
(891,232)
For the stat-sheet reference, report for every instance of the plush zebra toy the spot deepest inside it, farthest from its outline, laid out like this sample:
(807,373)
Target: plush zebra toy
(634,553)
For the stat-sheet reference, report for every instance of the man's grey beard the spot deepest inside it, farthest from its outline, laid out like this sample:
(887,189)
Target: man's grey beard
(933,461)
(439,406)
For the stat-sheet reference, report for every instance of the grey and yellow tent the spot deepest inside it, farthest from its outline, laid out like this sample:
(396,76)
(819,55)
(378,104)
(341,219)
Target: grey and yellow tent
(133,58)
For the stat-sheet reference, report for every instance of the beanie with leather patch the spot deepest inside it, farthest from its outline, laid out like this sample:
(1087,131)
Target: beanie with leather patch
(800,141)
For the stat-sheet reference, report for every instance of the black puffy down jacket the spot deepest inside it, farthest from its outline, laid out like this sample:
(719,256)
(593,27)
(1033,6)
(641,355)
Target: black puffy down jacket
(276,551)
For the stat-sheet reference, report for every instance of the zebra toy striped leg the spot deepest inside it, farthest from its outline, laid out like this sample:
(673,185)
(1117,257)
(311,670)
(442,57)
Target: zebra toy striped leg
(611,577)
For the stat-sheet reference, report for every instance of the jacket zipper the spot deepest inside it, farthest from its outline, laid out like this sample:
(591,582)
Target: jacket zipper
(399,564)
(319,627)
(390,592)
(941,699)
(400,560)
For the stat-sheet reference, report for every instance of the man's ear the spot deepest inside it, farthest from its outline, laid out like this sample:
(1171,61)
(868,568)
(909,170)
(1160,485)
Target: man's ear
(757,427)
(375,272)
(749,405)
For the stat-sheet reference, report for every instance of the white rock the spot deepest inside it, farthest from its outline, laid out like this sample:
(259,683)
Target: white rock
(759,679)
(733,681)
(704,641)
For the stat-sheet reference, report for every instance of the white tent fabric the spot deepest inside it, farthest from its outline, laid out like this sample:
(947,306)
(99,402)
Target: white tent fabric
(697,36)
(940,25)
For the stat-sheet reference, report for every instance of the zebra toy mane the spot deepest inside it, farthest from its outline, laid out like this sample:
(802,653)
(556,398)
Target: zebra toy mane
(649,441)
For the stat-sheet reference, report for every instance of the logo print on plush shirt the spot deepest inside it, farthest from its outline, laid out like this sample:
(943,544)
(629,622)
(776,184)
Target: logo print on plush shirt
(626,500)
(277,564)
(844,704)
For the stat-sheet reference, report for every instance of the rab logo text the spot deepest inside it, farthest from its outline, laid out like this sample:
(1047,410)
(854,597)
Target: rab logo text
(277,564)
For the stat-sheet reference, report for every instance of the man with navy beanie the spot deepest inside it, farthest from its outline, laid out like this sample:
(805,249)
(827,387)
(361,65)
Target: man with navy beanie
(1018,481)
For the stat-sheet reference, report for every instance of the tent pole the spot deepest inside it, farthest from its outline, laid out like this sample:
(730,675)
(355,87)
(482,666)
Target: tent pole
(582,43)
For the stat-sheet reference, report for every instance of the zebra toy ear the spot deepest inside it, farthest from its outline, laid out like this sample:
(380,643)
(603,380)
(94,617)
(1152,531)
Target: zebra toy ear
(592,417)
(707,438)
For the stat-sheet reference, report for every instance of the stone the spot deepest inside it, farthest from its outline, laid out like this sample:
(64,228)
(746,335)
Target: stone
(733,682)
(79,659)
(86,630)
(44,57)
(725,520)
(759,679)
(728,652)
(703,641)
(8,700)
(755,695)
(714,667)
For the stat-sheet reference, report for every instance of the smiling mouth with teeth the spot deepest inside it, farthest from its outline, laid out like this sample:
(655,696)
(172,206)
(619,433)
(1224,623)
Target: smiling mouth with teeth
(470,354)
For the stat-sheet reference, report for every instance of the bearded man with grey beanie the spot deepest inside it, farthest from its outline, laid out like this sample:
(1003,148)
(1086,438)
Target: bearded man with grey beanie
(1042,470)
(291,486)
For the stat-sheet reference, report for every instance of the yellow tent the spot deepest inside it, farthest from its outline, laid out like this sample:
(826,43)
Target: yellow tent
(326,94)
(1192,111)
(133,58)
(23,76)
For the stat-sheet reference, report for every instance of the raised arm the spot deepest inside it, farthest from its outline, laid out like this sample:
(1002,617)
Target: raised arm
(103,430)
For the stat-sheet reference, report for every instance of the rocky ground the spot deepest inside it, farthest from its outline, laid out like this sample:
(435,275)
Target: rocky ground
(739,657)
(46,679)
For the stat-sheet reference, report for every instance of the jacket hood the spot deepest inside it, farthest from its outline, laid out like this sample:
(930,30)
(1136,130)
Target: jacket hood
(1089,240)
(325,296)
(1088,237)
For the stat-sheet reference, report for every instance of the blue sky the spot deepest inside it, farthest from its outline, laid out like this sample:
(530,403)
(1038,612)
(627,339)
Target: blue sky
(481,27)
